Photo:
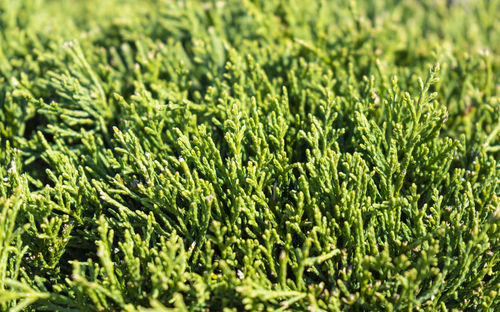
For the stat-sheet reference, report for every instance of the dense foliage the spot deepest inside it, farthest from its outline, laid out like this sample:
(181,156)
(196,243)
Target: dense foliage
(263,155)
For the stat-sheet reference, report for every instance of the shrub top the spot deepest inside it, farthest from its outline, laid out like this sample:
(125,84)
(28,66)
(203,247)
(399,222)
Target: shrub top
(261,155)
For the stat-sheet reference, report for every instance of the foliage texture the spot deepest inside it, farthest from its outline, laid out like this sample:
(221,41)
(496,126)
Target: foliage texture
(255,155)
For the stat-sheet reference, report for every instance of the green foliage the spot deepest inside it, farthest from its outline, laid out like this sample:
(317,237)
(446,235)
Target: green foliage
(249,155)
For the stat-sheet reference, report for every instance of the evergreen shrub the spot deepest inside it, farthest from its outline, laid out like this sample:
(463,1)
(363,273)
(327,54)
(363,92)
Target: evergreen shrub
(284,155)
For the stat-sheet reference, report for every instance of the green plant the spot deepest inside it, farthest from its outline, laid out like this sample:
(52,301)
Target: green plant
(259,155)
